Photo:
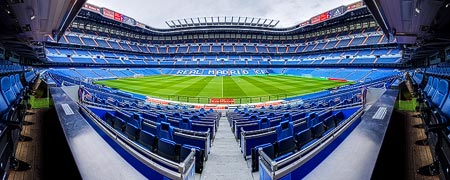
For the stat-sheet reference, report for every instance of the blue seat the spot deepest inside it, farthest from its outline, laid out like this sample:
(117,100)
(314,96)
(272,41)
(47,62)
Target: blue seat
(14,87)
(133,126)
(148,140)
(444,112)
(433,88)
(284,130)
(18,82)
(199,156)
(285,145)
(339,118)
(253,117)
(7,92)
(161,118)
(176,115)
(194,118)
(168,149)
(318,130)
(440,94)
(429,84)
(268,149)
(164,130)
(271,115)
(264,123)
(304,138)
(329,122)
(312,120)
(185,123)
(286,117)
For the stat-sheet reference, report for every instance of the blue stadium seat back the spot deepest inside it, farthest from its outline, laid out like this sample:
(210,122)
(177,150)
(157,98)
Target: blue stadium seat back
(137,120)
(288,107)
(132,131)
(270,107)
(318,130)
(433,88)
(119,124)
(185,123)
(236,110)
(168,149)
(246,114)
(4,109)
(286,117)
(325,115)
(441,93)
(164,130)
(202,110)
(304,138)
(14,87)
(329,122)
(264,123)
(262,107)
(261,113)
(285,129)
(210,110)
(109,118)
(268,149)
(18,81)
(279,108)
(6,91)
(271,115)
(199,156)
(176,115)
(194,118)
(285,145)
(161,118)
(339,117)
(298,116)
(331,103)
(149,128)
(253,117)
(429,84)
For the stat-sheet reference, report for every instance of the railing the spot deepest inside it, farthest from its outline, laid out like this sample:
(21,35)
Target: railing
(237,100)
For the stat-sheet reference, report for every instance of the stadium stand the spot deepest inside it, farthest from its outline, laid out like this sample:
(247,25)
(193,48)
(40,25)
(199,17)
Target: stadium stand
(163,135)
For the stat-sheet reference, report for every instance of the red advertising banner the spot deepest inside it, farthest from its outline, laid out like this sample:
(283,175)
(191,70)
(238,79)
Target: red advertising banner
(303,24)
(92,7)
(156,101)
(117,16)
(108,13)
(315,19)
(221,101)
(324,16)
(355,5)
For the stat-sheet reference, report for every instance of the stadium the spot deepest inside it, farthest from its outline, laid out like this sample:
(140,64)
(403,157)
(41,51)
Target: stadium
(360,91)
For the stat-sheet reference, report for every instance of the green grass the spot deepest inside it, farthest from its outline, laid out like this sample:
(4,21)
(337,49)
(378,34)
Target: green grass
(38,103)
(406,105)
(244,89)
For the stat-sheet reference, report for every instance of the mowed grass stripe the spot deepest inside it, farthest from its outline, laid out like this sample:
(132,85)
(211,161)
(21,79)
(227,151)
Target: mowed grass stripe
(213,88)
(249,88)
(178,84)
(303,83)
(270,89)
(195,88)
(231,88)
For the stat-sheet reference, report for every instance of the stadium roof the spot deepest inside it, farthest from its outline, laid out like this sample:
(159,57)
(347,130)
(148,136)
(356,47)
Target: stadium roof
(155,13)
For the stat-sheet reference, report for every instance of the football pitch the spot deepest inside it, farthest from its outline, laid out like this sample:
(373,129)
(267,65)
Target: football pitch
(244,89)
